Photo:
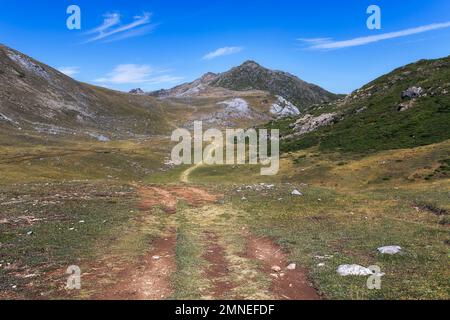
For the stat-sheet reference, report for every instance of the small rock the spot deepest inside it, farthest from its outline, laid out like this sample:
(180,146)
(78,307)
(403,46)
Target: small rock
(29,233)
(296,193)
(156,257)
(321,265)
(292,266)
(276,268)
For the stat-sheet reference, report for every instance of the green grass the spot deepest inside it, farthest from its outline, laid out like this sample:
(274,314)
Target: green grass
(351,227)
(70,230)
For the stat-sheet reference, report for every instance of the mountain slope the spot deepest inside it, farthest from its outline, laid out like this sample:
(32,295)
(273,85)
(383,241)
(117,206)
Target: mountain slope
(250,76)
(406,108)
(35,97)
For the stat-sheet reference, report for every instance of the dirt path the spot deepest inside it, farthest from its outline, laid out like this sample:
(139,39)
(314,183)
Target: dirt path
(230,263)
(218,271)
(151,279)
(184,178)
(286,284)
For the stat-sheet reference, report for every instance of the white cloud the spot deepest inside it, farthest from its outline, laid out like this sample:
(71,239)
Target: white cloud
(325,43)
(140,26)
(315,41)
(110,20)
(69,71)
(226,51)
(137,74)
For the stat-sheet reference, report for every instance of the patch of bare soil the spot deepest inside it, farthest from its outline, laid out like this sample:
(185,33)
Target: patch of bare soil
(153,196)
(286,284)
(169,196)
(150,280)
(218,269)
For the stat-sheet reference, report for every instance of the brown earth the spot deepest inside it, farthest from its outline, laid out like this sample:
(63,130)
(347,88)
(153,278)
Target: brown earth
(169,196)
(286,284)
(218,269)
(150,280)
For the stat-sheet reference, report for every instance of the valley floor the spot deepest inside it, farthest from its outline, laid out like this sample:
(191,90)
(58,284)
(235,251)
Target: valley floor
(223,232)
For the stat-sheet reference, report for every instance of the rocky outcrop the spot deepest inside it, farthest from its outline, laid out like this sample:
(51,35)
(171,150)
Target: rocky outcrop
(137,91)
(309,123)
(412,93)
(283,108)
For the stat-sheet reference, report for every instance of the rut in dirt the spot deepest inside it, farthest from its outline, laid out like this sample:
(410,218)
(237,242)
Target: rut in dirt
(218,271)
(286,284)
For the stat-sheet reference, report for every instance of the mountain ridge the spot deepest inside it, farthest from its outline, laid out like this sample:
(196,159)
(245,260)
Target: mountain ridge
(252,76)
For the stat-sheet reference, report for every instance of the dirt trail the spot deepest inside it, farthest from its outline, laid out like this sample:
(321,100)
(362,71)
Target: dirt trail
(151,280)
(218,271)
(286,284)
(230,275)
(184,178)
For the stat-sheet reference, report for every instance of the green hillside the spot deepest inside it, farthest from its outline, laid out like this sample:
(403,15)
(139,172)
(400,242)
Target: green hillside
(370,119)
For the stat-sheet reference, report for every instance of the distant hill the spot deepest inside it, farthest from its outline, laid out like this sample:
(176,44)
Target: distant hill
(406,108)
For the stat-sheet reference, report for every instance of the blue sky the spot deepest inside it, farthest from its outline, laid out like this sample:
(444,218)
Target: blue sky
(160,43)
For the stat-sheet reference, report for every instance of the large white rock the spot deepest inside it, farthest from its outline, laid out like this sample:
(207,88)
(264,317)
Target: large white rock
(284,108)
(390,250)
(353,270)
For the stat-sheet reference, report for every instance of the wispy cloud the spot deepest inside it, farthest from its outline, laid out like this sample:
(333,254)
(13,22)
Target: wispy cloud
(226,51)
(113,30)
(69,71)
(137,74)
(329,44)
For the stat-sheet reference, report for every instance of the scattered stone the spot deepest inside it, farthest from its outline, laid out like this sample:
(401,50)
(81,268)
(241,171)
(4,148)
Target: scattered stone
(391,250)
(321,265)
(156,257)
(406,105)
(29,233)
(276,268)
(325,257)
(292,266)
(296,193)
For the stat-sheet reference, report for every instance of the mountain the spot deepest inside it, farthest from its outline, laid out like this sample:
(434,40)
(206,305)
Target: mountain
(36,98)
(406,108)
(252,76)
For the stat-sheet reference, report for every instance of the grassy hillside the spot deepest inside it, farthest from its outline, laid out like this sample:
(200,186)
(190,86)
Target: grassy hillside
(369,120)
